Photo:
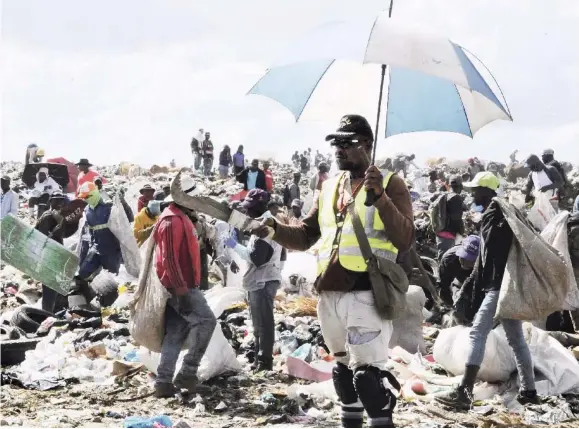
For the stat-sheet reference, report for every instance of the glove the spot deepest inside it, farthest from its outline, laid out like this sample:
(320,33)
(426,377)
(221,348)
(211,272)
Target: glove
(231,242)
(234,267)
(528,198)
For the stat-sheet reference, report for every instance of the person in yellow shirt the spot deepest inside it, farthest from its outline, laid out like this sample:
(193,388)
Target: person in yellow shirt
(145,221)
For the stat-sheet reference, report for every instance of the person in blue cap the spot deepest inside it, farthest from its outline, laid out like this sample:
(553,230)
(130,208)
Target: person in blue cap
(457,263)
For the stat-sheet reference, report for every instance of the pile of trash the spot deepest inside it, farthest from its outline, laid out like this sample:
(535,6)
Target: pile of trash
(90,370)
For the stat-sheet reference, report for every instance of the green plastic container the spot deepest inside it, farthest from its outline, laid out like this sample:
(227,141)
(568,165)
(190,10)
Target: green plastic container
(36,255)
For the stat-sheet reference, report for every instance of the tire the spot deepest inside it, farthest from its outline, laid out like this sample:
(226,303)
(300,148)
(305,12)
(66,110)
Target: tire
(29,318)
(14,351)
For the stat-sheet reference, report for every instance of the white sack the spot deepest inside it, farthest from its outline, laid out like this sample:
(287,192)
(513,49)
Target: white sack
(407,329)
(542,211)
(220,356)
(121,228)
(147,321)
(555,233)
(451,351)
(536,280)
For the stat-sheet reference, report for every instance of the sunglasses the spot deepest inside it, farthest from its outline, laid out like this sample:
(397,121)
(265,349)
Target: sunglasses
(345,143)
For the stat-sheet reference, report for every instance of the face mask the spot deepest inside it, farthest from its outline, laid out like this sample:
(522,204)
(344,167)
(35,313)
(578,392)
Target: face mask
(93,199)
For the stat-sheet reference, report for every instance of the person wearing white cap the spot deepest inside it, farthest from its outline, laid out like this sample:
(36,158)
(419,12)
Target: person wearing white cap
(495,238)
(41,191)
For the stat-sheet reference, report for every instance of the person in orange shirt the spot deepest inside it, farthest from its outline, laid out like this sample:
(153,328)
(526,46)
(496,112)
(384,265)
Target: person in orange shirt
(86,174)
(268,177)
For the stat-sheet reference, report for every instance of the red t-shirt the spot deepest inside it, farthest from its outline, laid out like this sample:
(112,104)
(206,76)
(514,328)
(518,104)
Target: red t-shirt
(268,180)
(88,177)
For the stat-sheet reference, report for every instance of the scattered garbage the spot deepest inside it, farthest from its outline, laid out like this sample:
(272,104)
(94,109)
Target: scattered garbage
(148,422)
(89,359)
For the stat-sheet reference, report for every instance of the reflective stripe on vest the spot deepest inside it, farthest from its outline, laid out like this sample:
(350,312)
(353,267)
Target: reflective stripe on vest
(349,253)
(98,227)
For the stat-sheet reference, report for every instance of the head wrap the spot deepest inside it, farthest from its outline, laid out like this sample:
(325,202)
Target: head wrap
(154,207)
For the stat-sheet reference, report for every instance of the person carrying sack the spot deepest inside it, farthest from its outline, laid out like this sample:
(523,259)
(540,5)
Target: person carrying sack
(496,237)
(360,286)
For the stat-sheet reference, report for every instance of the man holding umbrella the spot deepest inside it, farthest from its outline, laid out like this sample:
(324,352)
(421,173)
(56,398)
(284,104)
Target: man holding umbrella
(354,331)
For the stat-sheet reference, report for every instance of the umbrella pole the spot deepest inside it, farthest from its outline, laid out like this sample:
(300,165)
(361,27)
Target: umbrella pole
(379,111)
(370,195)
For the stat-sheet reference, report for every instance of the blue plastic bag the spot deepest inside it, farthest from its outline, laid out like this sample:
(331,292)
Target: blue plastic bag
(144,422)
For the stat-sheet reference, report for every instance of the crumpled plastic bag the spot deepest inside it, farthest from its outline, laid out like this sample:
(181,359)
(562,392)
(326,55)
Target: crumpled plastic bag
(555,233)
(553,361)
(147,321)
(536,280)
(121,228)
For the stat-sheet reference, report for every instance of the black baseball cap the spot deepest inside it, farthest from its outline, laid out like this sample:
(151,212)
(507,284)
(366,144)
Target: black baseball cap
(353,126)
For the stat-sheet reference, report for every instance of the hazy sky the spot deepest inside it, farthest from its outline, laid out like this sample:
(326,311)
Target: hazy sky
(132,80)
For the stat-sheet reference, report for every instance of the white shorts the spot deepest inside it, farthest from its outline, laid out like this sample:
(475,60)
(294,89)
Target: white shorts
(353,329)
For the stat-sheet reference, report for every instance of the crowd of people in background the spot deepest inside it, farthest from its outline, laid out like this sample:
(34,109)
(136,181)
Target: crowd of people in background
(184,240)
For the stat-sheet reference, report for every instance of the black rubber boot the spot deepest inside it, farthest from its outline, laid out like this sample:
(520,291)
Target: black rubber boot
(461,398)
(352,415)
(164,390)
(263,365)
(528,397)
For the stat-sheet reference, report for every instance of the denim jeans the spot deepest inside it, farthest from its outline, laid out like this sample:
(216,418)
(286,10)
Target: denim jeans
(261,311)
(481,328)
(194,325)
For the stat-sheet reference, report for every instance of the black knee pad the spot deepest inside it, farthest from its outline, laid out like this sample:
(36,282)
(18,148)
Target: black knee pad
(343,378)
(371,391)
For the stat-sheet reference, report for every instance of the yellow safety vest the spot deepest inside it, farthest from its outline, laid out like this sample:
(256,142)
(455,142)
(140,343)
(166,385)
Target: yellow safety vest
(349,253)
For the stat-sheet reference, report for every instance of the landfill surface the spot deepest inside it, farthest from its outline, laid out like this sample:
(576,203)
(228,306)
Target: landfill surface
(90,373)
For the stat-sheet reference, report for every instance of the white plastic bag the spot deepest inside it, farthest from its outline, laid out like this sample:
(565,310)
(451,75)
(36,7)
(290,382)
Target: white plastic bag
(542,211)
(407,329)
(553,361)
(555,233)
(452,347)
(147,321)
(219,357)
(121,228)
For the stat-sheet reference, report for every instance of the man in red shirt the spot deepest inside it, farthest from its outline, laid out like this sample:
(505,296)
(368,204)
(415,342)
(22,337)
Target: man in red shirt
(268,177)
(147,194)
(86,174)
(187,315)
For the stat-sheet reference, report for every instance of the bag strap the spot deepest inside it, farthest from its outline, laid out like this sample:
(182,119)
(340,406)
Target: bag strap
(363,242)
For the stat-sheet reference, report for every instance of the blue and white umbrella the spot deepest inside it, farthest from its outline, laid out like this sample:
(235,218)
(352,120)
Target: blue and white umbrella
(336,70)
